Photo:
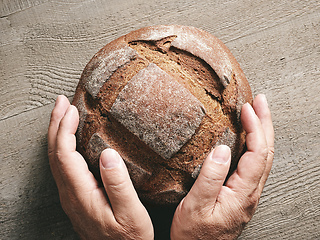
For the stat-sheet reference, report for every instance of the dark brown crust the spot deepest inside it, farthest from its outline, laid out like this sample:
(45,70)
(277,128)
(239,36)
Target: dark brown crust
(197,61)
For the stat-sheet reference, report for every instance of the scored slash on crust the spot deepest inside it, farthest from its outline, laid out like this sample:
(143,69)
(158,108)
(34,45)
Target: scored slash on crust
(186,39)
(106,67)
(158,110)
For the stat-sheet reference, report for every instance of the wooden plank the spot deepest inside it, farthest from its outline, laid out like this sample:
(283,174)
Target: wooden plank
(286,69)
(30,207)
(8,7)
(289,73)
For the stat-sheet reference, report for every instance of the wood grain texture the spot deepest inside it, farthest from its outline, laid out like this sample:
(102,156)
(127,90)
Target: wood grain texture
(8,7)
(44,46)
(30,207)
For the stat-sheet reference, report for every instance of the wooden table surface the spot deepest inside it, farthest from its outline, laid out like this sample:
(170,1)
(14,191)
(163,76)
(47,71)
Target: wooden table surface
(44,46)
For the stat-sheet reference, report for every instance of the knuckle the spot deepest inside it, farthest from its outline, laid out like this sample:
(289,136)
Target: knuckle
(264,152)
(213,175)
(253,201)
(271,151)
(61,156)
(216,177)
(119,186)
(55,116)
(51,155)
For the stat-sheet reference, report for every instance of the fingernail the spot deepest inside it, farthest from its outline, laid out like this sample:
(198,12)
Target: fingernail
(110,159)
(221,154)
(71,109)
(264,99)
(250,108)
(57,100)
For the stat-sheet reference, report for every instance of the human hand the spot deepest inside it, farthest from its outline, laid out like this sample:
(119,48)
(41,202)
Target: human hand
(212,210)
(110,212)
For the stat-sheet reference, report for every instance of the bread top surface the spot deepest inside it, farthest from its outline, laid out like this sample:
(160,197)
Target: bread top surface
(163,97)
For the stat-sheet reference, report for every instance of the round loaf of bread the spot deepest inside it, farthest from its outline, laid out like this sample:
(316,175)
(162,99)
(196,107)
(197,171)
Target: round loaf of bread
(163,97)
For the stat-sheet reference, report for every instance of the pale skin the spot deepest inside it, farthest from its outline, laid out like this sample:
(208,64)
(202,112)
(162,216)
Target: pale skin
(210,210)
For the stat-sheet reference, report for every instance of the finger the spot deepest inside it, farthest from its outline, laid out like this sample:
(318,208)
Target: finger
(261,108)
(252,163)
(66,141)
(121,193)
(59,110)
(73,168)
(204,192)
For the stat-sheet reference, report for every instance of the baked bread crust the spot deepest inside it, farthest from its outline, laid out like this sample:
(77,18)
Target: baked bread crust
(163,97)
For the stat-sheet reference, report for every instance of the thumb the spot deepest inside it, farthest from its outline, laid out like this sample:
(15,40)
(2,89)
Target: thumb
(119,188)
(205,190)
